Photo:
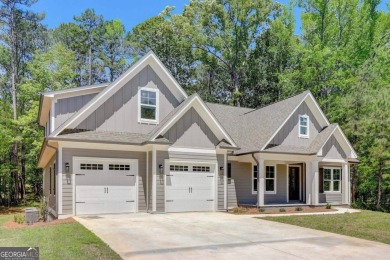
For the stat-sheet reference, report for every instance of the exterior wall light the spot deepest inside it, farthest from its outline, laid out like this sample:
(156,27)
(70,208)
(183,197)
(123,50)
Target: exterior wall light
(67,167)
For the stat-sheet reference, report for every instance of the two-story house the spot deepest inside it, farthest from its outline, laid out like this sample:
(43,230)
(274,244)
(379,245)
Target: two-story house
(141,144)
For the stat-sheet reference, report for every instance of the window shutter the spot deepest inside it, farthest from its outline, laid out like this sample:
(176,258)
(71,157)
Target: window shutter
(321,180)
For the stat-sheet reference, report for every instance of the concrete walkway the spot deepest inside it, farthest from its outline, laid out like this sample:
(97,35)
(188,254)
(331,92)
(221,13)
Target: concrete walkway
(340,210)
(223,236)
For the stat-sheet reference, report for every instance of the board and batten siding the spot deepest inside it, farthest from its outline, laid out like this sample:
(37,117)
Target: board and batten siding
(65,107)
(281,187)
(333,150)
(289,135)
(219,176)
(160,184)
(191,131)
(120,112)
(67,185)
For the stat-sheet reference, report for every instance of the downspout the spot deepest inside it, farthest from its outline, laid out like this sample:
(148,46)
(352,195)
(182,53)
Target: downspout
(258,177)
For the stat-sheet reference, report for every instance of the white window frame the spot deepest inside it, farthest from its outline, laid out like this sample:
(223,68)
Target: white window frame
(331,179)
(253,178)
(265,179)
(307,126)
(143,120)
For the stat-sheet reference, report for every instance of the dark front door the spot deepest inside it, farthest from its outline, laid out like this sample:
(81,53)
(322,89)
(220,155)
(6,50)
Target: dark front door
(293,179)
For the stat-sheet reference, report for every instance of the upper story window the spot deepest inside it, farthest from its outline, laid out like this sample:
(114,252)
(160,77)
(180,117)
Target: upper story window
(148,105)
(304,126)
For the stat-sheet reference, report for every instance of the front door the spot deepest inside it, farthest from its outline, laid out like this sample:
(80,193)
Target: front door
(293,179)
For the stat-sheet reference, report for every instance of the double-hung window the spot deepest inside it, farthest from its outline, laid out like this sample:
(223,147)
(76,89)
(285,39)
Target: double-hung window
(270,179)
(148,105)
(304,126)
(332,179)
(254,179)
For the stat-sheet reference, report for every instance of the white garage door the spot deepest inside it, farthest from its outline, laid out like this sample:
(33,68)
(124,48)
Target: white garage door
(105,185)
(190,187)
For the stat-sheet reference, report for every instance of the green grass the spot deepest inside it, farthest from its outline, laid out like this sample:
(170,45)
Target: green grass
(62,241)
(369,225)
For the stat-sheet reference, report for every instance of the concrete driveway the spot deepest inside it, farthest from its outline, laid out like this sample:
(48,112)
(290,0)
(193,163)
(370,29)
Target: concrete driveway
(222,236)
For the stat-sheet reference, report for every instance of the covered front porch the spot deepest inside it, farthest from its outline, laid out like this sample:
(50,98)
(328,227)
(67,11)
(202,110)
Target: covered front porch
(286,179)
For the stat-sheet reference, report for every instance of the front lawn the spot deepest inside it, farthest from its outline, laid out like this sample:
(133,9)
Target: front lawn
(60,241)
(369,225)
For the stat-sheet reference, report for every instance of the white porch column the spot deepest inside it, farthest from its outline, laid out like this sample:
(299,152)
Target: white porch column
(345,184)
(309,180)
(225,182)
(154,178)
(261,182)
(315,182)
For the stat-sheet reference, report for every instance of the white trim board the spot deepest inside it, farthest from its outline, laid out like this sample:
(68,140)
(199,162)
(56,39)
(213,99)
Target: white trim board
(149,59)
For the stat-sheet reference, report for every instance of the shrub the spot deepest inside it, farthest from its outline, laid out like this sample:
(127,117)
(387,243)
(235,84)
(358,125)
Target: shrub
(328,206)
(262,210)
(239,210)
(43,209)
(282,210)
(298,209)
(19,218)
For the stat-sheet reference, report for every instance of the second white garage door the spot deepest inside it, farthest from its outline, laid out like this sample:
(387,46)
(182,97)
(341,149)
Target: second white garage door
(105,185)
(190,187)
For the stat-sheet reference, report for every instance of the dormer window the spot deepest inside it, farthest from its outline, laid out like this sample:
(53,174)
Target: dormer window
(148,105)
(304,126)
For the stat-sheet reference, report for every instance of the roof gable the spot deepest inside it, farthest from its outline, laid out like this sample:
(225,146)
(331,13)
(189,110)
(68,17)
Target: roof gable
(149,59)
(202,110)
(342,140)
(314,109)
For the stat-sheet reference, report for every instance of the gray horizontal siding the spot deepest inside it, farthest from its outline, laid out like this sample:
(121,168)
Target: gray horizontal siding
(330,198)
(241,184)
(160,185)
(193,157)
(220,179)
(281,187)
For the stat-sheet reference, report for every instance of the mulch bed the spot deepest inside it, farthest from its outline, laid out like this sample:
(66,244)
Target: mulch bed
(13,225)
(252,210)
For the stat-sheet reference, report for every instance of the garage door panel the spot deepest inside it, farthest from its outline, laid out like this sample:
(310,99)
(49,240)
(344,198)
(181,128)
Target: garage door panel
(91,178)
(175,193)
(120,193)
(190,190)
(92,207)
(89,193)
(105,185)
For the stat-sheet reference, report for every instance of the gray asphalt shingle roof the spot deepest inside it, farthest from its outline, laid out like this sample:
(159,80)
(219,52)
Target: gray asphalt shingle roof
(313,148)
(109,137)
(252,128)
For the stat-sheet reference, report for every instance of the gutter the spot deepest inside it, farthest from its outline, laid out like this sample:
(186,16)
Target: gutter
(258,177)
(105,142)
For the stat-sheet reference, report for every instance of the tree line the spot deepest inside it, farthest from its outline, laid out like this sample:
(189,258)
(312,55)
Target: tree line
(242,53)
